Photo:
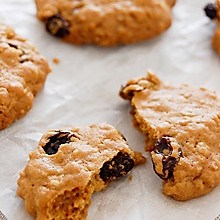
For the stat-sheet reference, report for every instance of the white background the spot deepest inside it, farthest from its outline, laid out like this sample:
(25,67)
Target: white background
(83,89)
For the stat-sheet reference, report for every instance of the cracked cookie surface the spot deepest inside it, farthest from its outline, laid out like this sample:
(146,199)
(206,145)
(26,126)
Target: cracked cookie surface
(212,10)
(105,23)
(182,129)
(23,72)
(69,165)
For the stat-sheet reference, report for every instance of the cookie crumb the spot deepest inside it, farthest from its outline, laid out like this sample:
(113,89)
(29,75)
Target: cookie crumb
(56,60)
(130,178)
(139,158)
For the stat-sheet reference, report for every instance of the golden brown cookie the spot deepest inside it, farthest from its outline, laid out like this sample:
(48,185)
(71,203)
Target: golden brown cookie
(71,164)
(105,23)
(182,129)
(23,72)
(213,12)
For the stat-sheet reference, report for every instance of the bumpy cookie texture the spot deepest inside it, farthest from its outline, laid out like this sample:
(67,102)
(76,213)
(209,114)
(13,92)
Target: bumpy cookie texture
(182,129)
(23,72)
(212,10)
(105,23)
(71,164)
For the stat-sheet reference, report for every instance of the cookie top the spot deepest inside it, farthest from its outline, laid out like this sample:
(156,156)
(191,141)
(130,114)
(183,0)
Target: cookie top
(105,23)
(23,72)
(182,127)
(213,12)
(72,159)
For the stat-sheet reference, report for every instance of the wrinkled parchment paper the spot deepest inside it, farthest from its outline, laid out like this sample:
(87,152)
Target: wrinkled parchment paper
(83,89)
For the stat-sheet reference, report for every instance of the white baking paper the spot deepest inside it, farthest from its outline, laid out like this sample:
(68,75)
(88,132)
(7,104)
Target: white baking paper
(83,89)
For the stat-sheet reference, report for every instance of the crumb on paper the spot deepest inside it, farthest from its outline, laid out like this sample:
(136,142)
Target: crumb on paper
(56,60)
(130,178)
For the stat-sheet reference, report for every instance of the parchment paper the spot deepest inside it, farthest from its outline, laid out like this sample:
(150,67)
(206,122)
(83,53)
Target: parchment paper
(83,89)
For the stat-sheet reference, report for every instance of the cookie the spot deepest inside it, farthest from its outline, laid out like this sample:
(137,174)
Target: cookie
(213,12)
(23,72)
(182,129)
(105,23)
(69,165)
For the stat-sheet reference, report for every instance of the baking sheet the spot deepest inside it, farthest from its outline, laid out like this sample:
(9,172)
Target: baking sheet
(83,89)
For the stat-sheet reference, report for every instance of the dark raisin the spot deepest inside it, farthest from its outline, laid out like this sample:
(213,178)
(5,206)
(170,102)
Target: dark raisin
(163,146)
(119,166)
(24,57)
(12,45)
(169,162)
(52,146)
(211,10)
(57,26)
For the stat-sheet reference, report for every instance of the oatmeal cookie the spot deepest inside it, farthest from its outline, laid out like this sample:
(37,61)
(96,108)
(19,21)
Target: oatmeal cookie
(71,164)
(182,129)
(105,23)
(213,12)
(23,72)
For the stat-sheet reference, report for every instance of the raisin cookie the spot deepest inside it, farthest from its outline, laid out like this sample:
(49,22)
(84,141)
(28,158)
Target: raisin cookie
(105,23)
(69,165)
(23,72)
(213,12)
(182,129)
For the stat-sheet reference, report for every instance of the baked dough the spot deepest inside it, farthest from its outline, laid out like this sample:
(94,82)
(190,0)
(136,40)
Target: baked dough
(105,23)
(69,165)
(22,74)
(182,129)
